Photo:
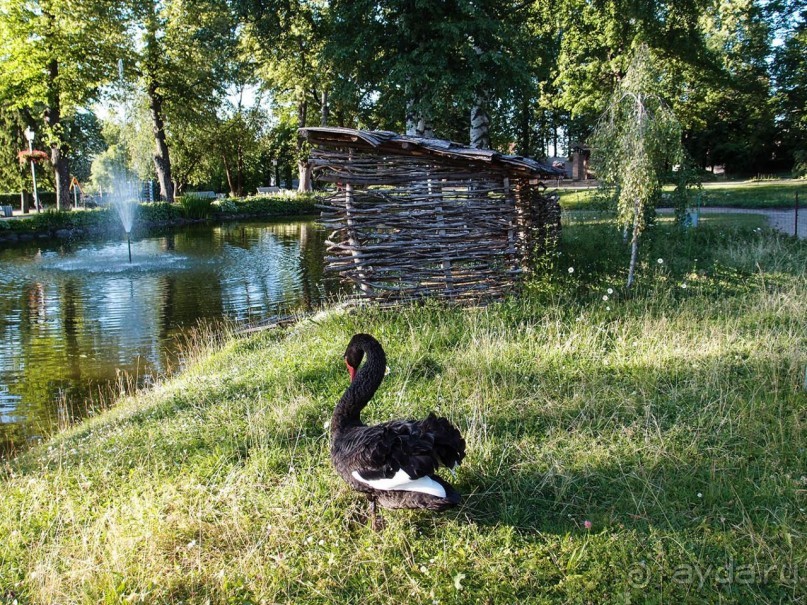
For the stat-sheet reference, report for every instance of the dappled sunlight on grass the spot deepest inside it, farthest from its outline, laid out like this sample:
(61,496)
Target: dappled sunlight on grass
(607,437)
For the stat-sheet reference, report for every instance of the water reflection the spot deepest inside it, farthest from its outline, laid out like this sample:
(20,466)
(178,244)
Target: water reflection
(72,317)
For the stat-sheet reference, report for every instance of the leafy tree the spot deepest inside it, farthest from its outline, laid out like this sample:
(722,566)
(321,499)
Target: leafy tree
(790,71)
(727,113)
(107,167)
(596,45)
(54,55)
(13,175)
(636,141)
(286,38)
(426,67)
(84,133)
(181,60)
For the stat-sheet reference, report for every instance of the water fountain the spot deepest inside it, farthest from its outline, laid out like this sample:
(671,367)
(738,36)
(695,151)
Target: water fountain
(124,200)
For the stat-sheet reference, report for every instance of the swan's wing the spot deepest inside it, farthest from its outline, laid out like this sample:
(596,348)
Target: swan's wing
(417,448)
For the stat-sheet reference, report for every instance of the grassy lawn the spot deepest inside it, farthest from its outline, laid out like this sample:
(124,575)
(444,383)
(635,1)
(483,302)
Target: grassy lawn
(721,221)
(672,419)
(739,194)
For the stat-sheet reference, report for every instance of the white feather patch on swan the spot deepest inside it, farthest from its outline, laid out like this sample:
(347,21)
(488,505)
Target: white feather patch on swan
(402,481)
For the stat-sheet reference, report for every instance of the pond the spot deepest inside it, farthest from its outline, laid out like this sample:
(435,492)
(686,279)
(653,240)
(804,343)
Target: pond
(77,320)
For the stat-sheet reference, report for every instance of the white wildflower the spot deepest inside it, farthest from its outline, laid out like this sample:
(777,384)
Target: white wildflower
(571,270)
(605,297)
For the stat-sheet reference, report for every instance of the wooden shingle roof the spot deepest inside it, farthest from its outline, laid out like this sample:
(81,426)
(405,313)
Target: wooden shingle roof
(385,142)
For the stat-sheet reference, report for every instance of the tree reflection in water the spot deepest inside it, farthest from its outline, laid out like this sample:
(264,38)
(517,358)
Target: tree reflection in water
(75,319)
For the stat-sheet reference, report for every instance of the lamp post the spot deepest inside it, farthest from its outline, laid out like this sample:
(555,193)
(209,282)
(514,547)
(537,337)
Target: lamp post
(277,179)
(29,134)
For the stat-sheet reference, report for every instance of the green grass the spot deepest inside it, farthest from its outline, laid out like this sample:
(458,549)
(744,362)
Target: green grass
(741,194)
(755,194)
(671,418)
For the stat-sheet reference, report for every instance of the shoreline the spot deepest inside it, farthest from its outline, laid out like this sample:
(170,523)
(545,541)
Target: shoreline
(80,224)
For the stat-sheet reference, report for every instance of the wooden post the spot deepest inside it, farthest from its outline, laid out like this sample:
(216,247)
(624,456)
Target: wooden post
(512,248)
(796,217)
(354,240)
(441,222)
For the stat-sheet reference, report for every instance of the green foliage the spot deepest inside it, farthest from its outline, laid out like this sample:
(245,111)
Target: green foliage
(98,219)
(293,204)
(54,57)
(158,212)
(637,138)
(647,419)
(194,206)
(13,199)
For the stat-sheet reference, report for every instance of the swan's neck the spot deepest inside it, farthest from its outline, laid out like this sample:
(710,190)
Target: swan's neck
(360,391)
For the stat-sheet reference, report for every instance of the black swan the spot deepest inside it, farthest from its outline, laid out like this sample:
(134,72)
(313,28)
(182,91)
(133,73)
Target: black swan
(393,463)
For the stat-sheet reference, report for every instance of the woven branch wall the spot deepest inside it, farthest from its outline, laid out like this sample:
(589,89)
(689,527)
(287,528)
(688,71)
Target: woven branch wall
(406,227)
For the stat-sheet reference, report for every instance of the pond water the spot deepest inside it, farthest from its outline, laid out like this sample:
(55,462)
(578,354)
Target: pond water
(77,319)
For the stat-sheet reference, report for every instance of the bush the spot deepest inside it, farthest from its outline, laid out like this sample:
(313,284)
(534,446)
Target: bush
(13,199)
(284,204)
(158,212)
(50,220)
(196,207)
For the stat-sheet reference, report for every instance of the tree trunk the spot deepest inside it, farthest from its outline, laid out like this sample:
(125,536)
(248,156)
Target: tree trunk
(240,172)
(424,127)
(324,110)
(162,161)
(24,201)
(480,124)
(634,244)
(228,173)
(303,166)
(411,119)
(525,138)
(58,149)
(480,120)
(555,139)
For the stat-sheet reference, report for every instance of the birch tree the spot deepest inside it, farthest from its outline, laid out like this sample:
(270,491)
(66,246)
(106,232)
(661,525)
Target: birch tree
(637,137)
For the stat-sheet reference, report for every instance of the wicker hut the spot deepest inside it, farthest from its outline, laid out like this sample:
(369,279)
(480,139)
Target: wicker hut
(414,217)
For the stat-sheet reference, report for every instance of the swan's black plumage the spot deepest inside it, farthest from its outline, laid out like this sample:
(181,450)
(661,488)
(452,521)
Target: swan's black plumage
(417,447)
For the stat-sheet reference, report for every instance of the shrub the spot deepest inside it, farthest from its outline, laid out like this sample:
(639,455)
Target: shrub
(196,207)
(13,198)
(158,212)
(284,204)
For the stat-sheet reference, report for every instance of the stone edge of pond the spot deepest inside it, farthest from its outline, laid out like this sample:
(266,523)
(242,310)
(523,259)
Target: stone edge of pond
(11,237)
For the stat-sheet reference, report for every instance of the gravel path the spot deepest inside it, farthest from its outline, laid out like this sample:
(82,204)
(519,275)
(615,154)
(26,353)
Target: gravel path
(781,220)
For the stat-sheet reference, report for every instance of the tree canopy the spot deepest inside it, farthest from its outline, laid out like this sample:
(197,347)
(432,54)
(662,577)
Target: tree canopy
(208,87)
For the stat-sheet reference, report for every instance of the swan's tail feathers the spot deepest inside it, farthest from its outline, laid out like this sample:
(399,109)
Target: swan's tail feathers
(449,446)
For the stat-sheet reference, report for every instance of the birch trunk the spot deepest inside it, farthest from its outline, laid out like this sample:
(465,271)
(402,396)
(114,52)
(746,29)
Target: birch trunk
(303,167)
(480,125)
(634,244)
(411,119)
(324,110)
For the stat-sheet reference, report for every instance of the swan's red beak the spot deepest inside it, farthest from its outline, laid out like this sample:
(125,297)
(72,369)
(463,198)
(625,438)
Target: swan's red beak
(350,370)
